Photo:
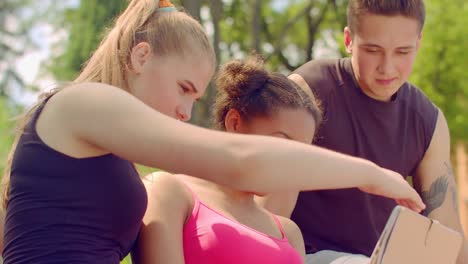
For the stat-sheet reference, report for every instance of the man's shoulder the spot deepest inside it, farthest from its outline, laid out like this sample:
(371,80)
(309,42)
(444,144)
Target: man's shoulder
(416,99)
(320,63)
(317,68)
(418,103)
(321,75)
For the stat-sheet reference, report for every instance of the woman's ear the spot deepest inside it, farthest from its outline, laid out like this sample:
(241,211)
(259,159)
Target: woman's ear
(233,121)
(140,54)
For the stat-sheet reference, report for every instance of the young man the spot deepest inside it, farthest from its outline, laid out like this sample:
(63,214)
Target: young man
(371,111)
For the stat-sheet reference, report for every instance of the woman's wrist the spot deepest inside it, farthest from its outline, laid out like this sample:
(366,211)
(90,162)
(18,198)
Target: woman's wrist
(372,174)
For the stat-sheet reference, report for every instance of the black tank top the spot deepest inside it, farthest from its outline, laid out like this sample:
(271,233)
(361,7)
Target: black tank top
(395,135)
(69,210)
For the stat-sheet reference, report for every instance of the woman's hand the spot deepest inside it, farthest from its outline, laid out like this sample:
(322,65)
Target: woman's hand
(392,185)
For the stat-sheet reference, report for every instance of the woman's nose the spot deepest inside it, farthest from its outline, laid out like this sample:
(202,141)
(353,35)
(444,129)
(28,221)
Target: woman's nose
(183,113)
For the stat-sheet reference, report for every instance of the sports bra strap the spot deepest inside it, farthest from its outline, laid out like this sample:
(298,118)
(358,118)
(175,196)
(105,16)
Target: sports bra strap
(280,226)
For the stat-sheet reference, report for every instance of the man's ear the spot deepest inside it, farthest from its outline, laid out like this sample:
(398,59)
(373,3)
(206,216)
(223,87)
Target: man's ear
(233,121)
(140,54)
(419,41)
(348,40)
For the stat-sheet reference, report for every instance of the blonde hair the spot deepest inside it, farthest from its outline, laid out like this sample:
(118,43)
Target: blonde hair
(167,32)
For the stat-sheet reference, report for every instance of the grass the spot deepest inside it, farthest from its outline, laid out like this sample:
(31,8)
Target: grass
(126,260)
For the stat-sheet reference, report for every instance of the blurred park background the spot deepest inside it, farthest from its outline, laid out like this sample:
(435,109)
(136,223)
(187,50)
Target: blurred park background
(45,42)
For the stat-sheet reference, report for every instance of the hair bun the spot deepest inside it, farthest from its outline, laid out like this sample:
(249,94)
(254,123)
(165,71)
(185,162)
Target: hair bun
(242,78)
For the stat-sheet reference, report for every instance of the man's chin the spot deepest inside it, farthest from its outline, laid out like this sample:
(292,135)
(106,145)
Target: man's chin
(385,94)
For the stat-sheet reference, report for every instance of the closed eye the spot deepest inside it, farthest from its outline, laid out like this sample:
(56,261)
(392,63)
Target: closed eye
(185,89)
(371,50)
(189,88)
(403,52)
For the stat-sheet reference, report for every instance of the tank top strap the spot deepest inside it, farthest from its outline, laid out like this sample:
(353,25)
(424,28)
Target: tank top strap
(37,113)
(280,226)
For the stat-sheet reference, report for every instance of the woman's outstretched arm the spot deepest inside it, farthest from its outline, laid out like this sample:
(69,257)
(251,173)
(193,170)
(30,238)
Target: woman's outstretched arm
(114,121)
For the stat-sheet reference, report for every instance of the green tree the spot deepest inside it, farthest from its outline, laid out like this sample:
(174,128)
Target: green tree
(14,39)
(440,69)
(285,33)
(86,25)
(6,131)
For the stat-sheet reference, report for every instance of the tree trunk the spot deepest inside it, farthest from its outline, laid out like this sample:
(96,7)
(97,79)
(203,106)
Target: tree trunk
(193,7)
(201,112)
(256,26)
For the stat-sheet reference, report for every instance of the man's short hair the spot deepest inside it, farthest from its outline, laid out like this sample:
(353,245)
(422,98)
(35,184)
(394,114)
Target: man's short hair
(414,9)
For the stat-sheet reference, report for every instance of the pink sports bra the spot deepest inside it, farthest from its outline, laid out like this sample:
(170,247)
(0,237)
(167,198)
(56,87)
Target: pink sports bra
(210,237)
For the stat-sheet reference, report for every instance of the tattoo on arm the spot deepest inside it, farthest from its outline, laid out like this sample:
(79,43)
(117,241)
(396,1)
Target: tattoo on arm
(435,196)
(453,187)
(455,198)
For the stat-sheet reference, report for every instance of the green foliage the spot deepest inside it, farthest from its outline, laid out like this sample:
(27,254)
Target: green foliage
(289,31)
(86,25)
(127,260)
(6,132)
(14,26)
(143,170)
(440,69)
(285,33)
(233,28)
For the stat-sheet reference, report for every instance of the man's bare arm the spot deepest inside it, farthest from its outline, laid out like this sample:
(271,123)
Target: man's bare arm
(435,181)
